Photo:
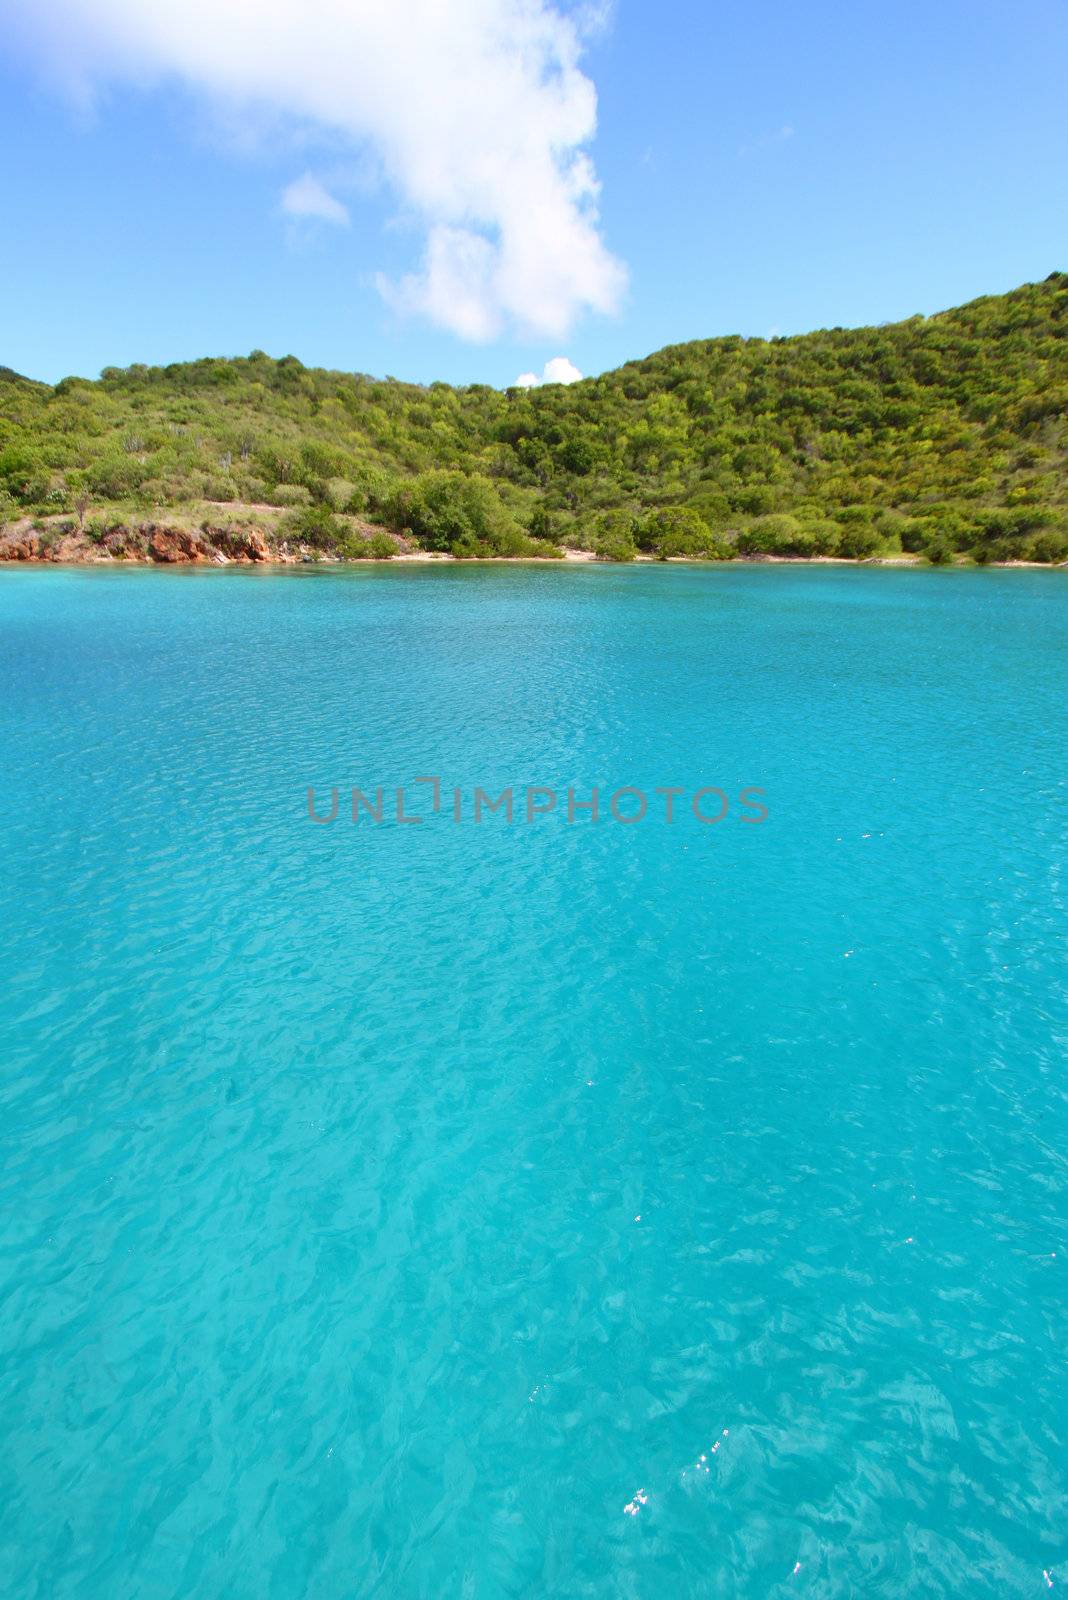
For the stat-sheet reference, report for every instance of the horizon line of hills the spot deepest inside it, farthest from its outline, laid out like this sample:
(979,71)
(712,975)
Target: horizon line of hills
(946,435)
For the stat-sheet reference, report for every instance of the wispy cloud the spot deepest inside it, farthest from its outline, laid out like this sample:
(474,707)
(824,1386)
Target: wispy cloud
(307,197)
(558,370)
(477,113)
(780,136)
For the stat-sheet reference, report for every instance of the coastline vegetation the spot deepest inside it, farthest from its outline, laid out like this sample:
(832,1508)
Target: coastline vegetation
(943,437)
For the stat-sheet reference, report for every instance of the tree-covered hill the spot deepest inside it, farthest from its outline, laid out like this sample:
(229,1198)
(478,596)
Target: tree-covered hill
(946,434)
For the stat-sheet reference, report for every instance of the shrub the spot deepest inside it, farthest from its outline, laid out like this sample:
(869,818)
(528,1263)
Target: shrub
(545,523)
(290,494)
(380,547)
(912,535)
(675,531)
(957,527)
(1017,522)
(758,499)
(221,489)
(340,494)
(703,547)
(614,545)
(858,542)
(611,536)
(824,536)
(24,476)
(939,552)
(1007,549)
(316,526)
(517,545)
(1051,547)
(775,535)
(371,493)
(712,506)
(455,511)
(117,477)
(897,528)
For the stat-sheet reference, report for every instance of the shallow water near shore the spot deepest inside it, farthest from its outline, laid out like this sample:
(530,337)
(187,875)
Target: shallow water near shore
(533,1209)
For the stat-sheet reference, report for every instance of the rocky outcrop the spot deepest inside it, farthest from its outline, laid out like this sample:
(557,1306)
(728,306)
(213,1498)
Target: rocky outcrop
(123,544)
(239,544)
(20,547)
(162,543)
(170,546)
(69,547)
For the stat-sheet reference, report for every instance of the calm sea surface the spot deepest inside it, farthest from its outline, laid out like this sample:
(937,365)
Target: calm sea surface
(537,1209)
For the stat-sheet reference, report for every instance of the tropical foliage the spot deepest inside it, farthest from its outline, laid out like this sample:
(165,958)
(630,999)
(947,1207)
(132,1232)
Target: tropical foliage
(940,435)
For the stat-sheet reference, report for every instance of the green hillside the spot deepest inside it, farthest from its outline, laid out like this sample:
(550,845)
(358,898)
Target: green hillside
(945,435)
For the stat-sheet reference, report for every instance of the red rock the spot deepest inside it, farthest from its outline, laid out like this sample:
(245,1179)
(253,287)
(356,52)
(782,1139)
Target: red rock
(240,544)
(20,547)
(175,545)
(70,548)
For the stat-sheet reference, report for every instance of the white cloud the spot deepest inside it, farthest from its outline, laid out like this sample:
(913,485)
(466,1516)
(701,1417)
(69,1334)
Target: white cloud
(307,197)
(558,370)
(477,113)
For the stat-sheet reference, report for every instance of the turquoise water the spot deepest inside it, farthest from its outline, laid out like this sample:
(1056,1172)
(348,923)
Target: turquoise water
(386,1208)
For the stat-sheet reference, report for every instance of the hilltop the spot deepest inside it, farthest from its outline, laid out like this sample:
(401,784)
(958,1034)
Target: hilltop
(945,435)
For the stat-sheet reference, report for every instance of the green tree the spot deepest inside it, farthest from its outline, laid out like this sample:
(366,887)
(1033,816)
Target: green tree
(315,526)
(450,510)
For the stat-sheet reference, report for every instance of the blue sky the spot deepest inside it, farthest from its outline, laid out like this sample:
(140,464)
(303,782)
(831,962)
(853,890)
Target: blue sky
(765,167)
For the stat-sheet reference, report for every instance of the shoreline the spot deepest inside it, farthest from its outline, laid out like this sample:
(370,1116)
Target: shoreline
(242,534)
(571,558)
(247,543)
